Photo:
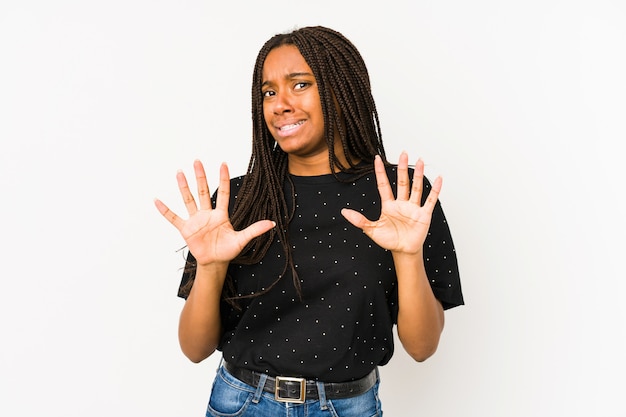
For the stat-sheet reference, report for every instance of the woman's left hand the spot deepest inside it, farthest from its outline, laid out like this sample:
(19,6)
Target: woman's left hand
(404,222)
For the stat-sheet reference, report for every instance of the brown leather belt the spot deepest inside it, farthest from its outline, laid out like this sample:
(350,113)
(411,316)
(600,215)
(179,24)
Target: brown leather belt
(298,390)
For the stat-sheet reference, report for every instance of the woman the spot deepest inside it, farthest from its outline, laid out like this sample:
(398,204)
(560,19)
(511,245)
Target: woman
(298,270)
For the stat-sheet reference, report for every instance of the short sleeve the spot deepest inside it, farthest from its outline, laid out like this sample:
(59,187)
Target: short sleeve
(440,260)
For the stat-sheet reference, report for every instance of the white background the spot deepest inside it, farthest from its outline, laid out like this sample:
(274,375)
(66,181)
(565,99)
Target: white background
(520,105)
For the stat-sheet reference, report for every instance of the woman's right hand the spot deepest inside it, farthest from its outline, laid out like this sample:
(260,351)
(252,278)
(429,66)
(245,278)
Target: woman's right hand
(209,235)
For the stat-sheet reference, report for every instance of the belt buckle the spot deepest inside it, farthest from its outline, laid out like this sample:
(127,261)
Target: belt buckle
(300,398)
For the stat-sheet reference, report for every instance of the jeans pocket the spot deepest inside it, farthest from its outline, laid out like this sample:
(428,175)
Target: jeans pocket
(227,400)
(364,405)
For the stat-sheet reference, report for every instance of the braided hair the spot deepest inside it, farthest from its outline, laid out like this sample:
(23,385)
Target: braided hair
(348,108)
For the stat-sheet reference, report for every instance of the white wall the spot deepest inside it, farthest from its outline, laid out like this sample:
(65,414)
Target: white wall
(519,105)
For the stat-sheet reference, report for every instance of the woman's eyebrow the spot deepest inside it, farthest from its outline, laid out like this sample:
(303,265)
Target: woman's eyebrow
(299,74)
(290,76)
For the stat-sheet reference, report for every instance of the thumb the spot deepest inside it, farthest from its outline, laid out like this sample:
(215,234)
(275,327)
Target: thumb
(355,218)
(257,229)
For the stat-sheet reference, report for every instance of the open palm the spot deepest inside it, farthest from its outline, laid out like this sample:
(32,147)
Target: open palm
(208,232)
(404,222)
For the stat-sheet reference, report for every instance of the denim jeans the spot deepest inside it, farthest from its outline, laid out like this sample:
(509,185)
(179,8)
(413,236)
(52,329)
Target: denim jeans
(231,397)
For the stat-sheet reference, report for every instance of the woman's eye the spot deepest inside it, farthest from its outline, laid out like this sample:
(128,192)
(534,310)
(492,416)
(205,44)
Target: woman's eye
(267,93)
(301,85)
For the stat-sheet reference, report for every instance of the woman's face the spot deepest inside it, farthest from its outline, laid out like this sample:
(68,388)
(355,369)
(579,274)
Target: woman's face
(291,105)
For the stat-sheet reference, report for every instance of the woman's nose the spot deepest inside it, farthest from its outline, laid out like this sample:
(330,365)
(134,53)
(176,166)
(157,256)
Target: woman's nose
(283,103)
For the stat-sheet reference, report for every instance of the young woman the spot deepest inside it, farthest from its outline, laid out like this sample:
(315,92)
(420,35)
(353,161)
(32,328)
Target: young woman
(298,270)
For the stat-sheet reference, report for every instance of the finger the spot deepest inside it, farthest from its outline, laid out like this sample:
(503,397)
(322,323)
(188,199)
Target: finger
(433,195)
(356,219)
(169,215)
(418,182)
(403,177)
(223,191)
(382,181)
(257,229)
(203,187)
(185,192)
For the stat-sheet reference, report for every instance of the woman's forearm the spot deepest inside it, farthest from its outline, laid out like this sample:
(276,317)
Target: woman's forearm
(420,314)
(199,328)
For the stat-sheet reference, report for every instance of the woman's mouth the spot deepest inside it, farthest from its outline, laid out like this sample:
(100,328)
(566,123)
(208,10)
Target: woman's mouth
(289,129)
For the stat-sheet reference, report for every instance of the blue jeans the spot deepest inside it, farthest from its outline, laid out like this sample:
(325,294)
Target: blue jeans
(232,398)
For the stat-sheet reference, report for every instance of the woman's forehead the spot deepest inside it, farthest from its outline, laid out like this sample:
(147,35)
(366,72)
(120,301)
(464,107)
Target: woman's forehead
(284,60)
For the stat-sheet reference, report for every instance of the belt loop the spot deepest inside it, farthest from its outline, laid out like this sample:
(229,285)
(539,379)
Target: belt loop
(259,388)
(321,393)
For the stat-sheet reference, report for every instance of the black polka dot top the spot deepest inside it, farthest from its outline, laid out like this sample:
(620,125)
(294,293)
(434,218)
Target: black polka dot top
(342,327)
